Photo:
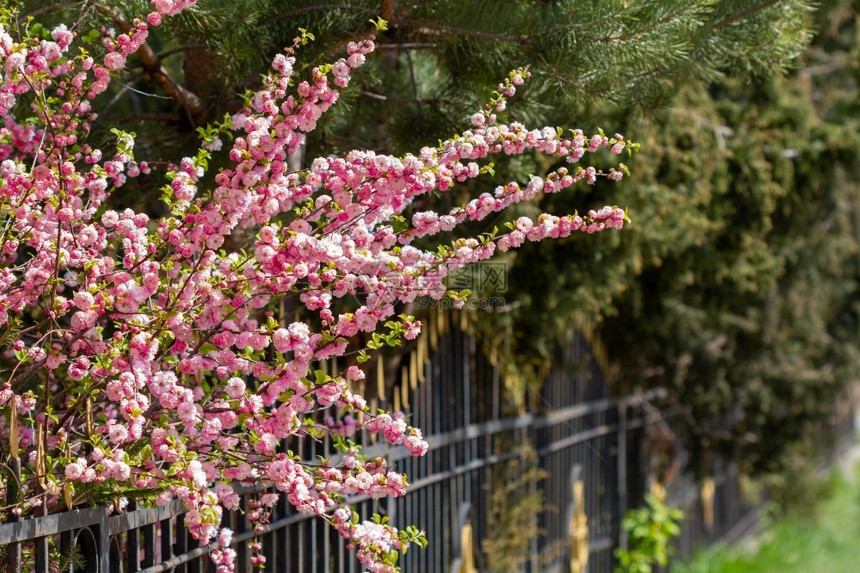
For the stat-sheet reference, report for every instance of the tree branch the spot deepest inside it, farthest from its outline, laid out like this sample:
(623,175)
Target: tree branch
(320,7)
(387,10)
(742,15)
(407,46)
(151,64)
(438,28)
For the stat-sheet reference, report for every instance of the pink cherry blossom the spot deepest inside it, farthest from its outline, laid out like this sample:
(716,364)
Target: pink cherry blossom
(166,333)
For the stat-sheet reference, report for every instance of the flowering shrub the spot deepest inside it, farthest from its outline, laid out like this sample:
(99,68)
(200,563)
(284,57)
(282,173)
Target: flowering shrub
(145,355)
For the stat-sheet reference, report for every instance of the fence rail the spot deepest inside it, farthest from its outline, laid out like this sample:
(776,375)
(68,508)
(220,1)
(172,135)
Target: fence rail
(590,449)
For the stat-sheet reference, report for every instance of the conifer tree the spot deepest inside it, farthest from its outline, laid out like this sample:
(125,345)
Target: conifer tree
(743,256)
(439,58)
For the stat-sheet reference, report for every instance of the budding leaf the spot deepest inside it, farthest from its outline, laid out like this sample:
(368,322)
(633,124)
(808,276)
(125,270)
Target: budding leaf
(381,25)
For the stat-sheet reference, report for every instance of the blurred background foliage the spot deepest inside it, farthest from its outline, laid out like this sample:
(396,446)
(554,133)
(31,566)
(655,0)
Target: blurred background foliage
(736,286)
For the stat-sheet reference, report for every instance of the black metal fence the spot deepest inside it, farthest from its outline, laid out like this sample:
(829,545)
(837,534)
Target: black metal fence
(556,480)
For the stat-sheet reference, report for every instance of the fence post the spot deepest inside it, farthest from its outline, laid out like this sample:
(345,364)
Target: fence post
(104,545)
(13,550)
(13,486)
(622,471)
(132,542)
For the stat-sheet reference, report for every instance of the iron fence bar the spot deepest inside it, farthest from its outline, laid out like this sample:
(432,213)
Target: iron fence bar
(32,527)
(167,532)
(132,543)
(278,524)
(601,544)
(313,545)
(52,524)
(269,549)
(326,550)
(622,469)
(105,562)
(66,544)
(300,546)
(749,522)
(181,546)
(239,528)
(132,538)
(460,470)
(558,445)
(283,538)
(143,516)
(341,557)
(523,421)
(194,564)
(464,432)
(41,555)
(177,560)
(148,545)
(13,488)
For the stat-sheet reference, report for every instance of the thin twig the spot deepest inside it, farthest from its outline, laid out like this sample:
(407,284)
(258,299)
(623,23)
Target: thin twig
(407,46)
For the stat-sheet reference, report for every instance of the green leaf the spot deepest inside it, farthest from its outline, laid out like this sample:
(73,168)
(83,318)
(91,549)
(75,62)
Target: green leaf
(380,24)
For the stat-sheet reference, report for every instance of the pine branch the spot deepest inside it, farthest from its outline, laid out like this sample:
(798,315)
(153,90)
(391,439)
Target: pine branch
(742,15)
(400,100)
(408,46)
(321,7)
(172,51)
(438,27)
(87,5)
(573,26)
(646,29)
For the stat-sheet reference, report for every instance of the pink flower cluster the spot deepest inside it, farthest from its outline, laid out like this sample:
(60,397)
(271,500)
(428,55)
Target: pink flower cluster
(153,342)
(395,431)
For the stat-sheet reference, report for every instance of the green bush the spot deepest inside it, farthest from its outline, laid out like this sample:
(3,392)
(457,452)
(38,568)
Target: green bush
(650,530)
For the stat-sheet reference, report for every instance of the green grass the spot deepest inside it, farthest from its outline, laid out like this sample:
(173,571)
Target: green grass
(827,542)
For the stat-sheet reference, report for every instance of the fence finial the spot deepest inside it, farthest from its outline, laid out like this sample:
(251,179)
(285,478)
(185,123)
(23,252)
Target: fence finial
(41,468)
(578,530)
(468,565)
(14,440)
(708,488)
